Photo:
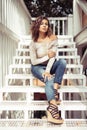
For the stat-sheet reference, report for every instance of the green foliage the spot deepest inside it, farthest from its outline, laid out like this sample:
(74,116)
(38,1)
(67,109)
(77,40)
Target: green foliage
(49,8)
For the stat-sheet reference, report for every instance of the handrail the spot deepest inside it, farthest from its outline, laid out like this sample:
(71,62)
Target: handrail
(81,31)
(84,57)
(25,8)
(83,5)
(80,38)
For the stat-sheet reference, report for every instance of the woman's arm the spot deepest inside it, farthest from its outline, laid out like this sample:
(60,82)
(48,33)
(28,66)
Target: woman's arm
(49,65)
(52,51)
(33,56)
(47,74)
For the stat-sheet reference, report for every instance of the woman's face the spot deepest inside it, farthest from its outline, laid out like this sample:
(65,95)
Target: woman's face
(43,26)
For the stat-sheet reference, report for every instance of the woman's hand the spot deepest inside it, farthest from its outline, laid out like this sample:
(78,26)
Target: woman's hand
(51,54)
(46,76)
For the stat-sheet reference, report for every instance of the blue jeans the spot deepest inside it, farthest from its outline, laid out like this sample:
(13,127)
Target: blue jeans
(57,69)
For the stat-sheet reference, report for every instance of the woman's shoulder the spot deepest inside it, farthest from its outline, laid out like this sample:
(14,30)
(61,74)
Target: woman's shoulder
(53,37)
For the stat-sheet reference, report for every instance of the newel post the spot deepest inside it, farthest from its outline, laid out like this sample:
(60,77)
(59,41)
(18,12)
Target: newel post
(70,24)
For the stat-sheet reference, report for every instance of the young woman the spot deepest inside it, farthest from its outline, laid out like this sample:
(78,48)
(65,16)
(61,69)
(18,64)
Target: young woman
(45,67)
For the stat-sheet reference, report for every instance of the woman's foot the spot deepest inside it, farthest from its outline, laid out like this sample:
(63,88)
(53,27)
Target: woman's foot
(53,115)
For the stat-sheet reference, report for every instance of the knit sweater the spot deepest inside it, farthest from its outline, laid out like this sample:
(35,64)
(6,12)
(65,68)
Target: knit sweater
(38,53)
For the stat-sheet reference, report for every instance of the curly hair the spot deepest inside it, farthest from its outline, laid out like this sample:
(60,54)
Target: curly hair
(35,28)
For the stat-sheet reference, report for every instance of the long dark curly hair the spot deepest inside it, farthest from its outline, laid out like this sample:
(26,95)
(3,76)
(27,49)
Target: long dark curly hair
(35,28)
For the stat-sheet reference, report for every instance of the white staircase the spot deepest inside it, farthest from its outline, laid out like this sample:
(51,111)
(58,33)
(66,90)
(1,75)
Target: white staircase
(17,104)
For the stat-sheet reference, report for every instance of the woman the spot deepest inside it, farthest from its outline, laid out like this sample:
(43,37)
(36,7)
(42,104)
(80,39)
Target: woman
(45,67)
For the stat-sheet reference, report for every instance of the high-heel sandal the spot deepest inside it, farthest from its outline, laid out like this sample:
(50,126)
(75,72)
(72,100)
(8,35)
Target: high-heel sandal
(53,115)
(58,101)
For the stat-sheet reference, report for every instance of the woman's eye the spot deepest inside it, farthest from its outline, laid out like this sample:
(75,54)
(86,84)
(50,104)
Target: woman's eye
(44,24)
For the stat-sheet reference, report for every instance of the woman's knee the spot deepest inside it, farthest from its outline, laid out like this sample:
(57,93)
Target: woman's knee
(63,63)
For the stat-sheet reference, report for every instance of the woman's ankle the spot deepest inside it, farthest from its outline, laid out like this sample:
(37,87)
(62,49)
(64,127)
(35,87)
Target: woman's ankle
(56,86)
(53,102)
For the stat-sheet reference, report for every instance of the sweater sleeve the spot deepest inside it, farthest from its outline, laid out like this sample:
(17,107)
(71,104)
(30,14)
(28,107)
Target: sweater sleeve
(49,65)
(53,46)
(33,56)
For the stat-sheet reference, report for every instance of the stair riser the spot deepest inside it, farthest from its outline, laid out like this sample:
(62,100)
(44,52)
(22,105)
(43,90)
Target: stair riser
(25,107)
(26,60)
(27,70)
(27,81)
(25,52)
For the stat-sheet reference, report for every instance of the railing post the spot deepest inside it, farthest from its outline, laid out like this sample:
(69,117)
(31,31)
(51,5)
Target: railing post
(70,24)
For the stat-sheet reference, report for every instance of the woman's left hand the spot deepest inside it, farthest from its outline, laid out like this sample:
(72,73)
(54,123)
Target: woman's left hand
(46,75)
(51,54)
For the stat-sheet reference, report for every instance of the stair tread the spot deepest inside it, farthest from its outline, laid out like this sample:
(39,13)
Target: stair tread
(41,89)
(60,56)
(42,102)
(76,124)
(41,105)
(59,49)
(70,76)
(29,65)
(20,65)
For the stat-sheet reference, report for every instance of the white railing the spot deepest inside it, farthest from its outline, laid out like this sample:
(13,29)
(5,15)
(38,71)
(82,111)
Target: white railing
(14,20)
(61,25)
(14,16)
(8,45)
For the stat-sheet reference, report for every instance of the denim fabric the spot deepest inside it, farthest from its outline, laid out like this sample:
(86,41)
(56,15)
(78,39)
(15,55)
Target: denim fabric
(57,69)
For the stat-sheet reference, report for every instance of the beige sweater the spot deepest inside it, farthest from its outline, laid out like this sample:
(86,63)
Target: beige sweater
(38,53)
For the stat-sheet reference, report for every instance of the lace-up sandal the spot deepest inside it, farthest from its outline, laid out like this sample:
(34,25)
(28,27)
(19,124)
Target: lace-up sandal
(53,115)
(58,101)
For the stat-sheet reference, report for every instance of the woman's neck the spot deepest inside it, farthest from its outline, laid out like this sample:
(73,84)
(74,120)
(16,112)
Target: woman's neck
(42,36)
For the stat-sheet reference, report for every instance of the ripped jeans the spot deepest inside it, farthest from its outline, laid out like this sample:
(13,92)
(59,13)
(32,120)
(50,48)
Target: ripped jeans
(57,69)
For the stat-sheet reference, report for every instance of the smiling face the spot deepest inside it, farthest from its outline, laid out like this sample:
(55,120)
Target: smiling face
(43,26)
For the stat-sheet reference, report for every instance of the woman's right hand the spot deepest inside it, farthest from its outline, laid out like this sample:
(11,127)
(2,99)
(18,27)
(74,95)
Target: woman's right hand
(46,76)
(51,54)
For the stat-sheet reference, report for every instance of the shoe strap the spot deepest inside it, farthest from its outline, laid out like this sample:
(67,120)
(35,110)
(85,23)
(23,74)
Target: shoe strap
(53,109)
